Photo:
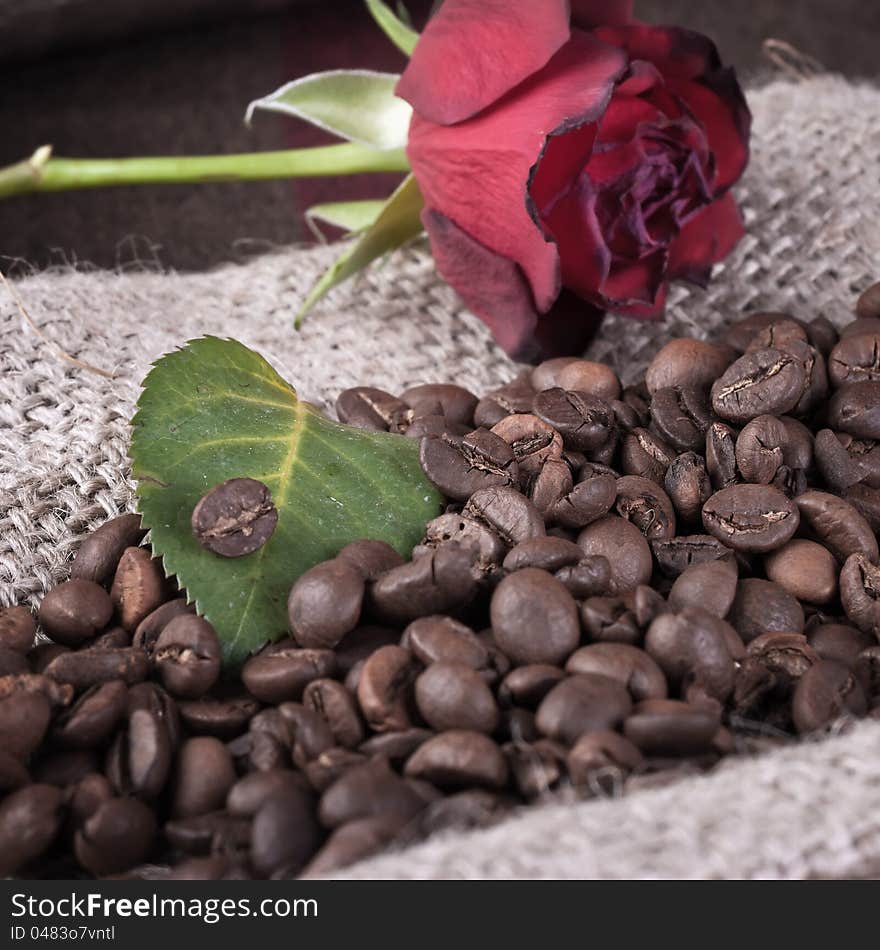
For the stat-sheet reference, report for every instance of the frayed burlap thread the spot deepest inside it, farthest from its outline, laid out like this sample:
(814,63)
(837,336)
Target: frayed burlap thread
(813,242)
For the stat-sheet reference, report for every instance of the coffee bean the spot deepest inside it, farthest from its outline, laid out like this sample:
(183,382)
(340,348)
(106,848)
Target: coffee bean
(779,334)
(548,554)
(671,727)
(750,518)
(710,586)
(461,466)
(631,667)
(867,671)
(353,841)
(395,746)
(442,639)
(590,577)
(339,707)
(593,378)
(762,606)
(839,642)
(440,581)
(759,449)
(282,671)
(93,717)
(368,408)
(532,440)
(741,333)
(508,513)
(30,819)
(531,600)
(12,662)
(87,668)
(454,696)
(535,768)
(837,525)
(528,685)
(216,833)
(384,689)
(645,454)
(17,629)
(187,656)
(645,504)
(551,484)
(99,554)
(139,761)
(815,389)
(688,487)
(235,518)
(825,692)
(582,703)
(860,592)
(75,611)
(370,558)
(764,381)
(515,396)
(681,416)
(454,402)
(677,554)
(138,587)
(601,760)
(24,719)
(147,631)
(856,358)
(486,548)
(868,304)
(204,776)
(224,718)
(249,793)
(367,791)
(459,759)
(822,334)
(805,569)
(855,409)
(545,374)
(87,796)
(325,604)
(625,548)
(585,422)
(586,502)
(118,835)
(687,362)
(609,620)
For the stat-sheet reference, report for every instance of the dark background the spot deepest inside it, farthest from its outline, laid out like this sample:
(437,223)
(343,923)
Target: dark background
(140,77)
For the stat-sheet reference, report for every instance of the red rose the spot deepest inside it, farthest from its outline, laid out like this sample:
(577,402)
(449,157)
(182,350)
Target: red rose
(565,151)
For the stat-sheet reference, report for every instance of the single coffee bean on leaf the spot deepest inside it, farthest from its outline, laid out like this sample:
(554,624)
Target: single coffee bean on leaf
(235,518)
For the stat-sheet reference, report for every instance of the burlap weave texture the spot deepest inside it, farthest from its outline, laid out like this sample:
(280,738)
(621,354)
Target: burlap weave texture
(813,242)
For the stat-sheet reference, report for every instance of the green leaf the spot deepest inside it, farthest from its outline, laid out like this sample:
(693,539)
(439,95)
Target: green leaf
(398,222)
(215,410)
(355,104)
(351,216)
(400,34)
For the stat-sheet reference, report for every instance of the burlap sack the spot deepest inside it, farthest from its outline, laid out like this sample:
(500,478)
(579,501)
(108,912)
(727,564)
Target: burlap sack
(810,203)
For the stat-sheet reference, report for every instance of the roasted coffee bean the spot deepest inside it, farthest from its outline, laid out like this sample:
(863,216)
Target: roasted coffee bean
(645,604)
(224,718)
(855,409)
(587,501)
(868,304)
(585,422)
(87,668)
(281,671)
(528,685)
(548,554)
(98,556)
(645,504)
(353,841)
(12,662)
(763,381)
(531,600)
(17,629)
(681,416)
(822,334)
(860,592)
(740,334)
(93,717)
(552,483)
(339,707)
(147,631)
(625,548)
(87,796)
(687,362)
(384,689)
(671,727)
(235,518)
(532,440)
(19,684)
(837,525)
(187,656)
(609,620)
(636,401)
(590,577)
(249,793)
(866,501)
(204,774)
(461,466)
(218,833)
(839,642)
(759,449)
(395,746)
(368,408)
(267,744)
(721,455)
(515,396)
(454,696)
(691,647)
(139,761)
(677,554)
(75,611)
(710,586)
(330,766)
(688,487)
(845,462)
(459,759)
(867,670)
(486,547)
(594,378)
(582,703)
(434,427)
(118,835)
(325,604)
(370,558)
(805,569)
(778,334)
(855,359)
(860,326)
(645,454)
(153,698)
(306,731)
(761,606)
(113,639)
(360,643)
(367,791)
(24,719)
(138,587)
(442,639)
(65,767)
(508,513)
(599,761)
(535,768)
(454,402)
(631,667)
(30,819)
(751,518)
(825,692)
(544,375)
(773,665)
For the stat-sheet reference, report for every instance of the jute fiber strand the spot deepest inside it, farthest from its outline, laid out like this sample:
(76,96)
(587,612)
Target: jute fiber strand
(811,205)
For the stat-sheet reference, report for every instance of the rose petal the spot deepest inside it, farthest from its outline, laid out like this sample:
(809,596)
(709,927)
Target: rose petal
(474,51)
(640,77)
(677,53)
(477,173)
(588,14)
(642,311)
(566,329)
(635,283)
(706,239)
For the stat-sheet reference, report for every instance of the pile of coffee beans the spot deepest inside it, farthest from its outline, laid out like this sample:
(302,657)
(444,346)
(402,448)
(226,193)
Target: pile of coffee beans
(625,583)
